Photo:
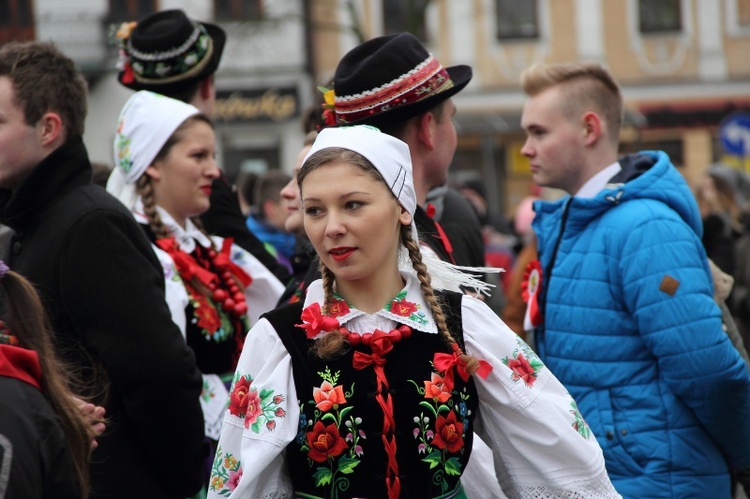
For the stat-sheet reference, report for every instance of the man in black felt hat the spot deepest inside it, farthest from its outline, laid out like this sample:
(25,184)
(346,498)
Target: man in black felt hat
(170,54)
(393,82)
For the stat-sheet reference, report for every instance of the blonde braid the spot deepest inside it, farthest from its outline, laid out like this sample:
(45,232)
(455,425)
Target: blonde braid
(472,364)
(333,343)
(146,191)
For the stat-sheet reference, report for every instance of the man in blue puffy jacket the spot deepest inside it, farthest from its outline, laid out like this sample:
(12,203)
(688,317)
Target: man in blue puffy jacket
(625,315)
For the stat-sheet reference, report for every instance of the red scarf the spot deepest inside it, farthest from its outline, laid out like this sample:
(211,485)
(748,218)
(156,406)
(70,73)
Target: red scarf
(20,363)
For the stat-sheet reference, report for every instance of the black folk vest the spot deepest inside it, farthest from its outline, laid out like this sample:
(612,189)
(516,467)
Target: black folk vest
(340,449)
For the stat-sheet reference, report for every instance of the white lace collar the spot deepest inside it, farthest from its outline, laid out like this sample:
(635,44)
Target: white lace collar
(407,307)
(186,238)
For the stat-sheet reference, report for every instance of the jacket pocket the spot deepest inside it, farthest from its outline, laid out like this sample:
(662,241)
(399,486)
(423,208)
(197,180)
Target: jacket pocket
(616,442)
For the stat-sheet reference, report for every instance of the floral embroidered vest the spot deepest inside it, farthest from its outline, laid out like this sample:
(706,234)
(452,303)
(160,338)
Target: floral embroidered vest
(340,450)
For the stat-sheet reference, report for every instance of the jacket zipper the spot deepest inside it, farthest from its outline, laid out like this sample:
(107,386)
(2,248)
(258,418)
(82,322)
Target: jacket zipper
(539,340)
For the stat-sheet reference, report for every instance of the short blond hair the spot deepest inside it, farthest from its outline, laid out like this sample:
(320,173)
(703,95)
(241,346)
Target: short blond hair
(585,84)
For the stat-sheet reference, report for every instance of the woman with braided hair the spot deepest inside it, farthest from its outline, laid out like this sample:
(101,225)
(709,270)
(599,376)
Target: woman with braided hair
(165,165)
(374,385)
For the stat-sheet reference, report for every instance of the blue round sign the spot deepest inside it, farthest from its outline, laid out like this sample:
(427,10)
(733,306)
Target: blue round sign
(734,133)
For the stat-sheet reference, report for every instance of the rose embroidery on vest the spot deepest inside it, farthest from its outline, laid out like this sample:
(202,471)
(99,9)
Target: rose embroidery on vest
(441,429)
(331,438)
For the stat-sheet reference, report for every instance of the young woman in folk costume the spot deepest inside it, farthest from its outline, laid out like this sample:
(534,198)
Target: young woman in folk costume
(164,156)
(374,385)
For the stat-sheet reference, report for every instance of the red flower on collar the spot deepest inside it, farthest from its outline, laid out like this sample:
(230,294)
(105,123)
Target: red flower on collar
(403,308)
(315,322)
(337,308)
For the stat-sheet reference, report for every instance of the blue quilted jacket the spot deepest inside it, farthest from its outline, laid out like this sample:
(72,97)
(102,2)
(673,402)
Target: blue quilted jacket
(632,330)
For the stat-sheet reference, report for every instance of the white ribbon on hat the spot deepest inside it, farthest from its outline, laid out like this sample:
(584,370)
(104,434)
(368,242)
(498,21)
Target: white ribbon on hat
(392,158)
(145,124)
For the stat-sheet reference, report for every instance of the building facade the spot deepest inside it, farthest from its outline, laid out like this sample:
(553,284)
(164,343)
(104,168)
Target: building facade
(684,67)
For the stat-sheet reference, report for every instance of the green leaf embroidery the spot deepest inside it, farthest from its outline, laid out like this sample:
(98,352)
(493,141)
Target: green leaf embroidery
(434,458)
(347,465)
(322,476)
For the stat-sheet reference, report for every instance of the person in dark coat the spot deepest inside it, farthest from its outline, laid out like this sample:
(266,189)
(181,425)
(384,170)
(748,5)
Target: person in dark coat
(100,283)
(189,77)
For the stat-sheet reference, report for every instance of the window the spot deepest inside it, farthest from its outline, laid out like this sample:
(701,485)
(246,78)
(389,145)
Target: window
(16,20)
(238,10)
(743,13)
(659,16)
(131,10)
(405,15)
(516,19)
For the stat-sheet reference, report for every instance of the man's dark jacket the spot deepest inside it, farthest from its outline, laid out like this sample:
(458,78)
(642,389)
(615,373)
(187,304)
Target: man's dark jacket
(103,289)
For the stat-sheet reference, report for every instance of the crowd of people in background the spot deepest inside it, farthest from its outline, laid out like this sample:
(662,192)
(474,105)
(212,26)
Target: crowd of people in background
(346,329)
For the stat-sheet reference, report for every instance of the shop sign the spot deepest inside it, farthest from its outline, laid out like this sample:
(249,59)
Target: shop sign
(278,104)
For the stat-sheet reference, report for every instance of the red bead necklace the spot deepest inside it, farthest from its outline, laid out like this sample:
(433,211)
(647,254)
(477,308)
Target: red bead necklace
(224,290)
(394,336)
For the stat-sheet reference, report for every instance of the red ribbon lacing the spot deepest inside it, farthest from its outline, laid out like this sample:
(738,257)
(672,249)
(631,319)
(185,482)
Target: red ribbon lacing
(446,362)
(381,343)
(186,265)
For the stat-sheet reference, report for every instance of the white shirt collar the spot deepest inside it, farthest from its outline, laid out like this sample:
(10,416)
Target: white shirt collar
(408,307)
(595,184)
(186,238)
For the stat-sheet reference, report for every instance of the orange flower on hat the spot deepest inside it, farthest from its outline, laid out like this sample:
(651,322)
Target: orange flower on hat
(123,32)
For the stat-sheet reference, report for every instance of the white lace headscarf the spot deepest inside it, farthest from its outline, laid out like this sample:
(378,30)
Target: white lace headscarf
(145,124)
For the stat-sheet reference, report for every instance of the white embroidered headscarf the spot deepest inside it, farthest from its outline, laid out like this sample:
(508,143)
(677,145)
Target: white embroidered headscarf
(392,158)
(145,124)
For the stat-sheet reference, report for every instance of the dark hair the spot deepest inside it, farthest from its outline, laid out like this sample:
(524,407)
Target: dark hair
(45,80)
(28,322)
(268,188)
(398,129)
(182,91)
(246,187)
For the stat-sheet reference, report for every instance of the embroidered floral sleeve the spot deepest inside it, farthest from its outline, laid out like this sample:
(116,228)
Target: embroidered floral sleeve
(255,407)
(261,418)
(522,406)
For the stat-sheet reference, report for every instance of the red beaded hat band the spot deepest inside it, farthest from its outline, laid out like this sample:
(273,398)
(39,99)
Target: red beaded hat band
(426,80)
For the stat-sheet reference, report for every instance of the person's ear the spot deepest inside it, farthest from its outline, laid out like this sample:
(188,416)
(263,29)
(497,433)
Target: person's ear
(404,216)
(425,123)
(154,170)
(50,128)
(592,128)
(206,88)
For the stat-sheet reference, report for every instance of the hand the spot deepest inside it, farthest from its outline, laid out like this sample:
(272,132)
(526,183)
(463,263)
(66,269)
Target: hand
(94,416)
